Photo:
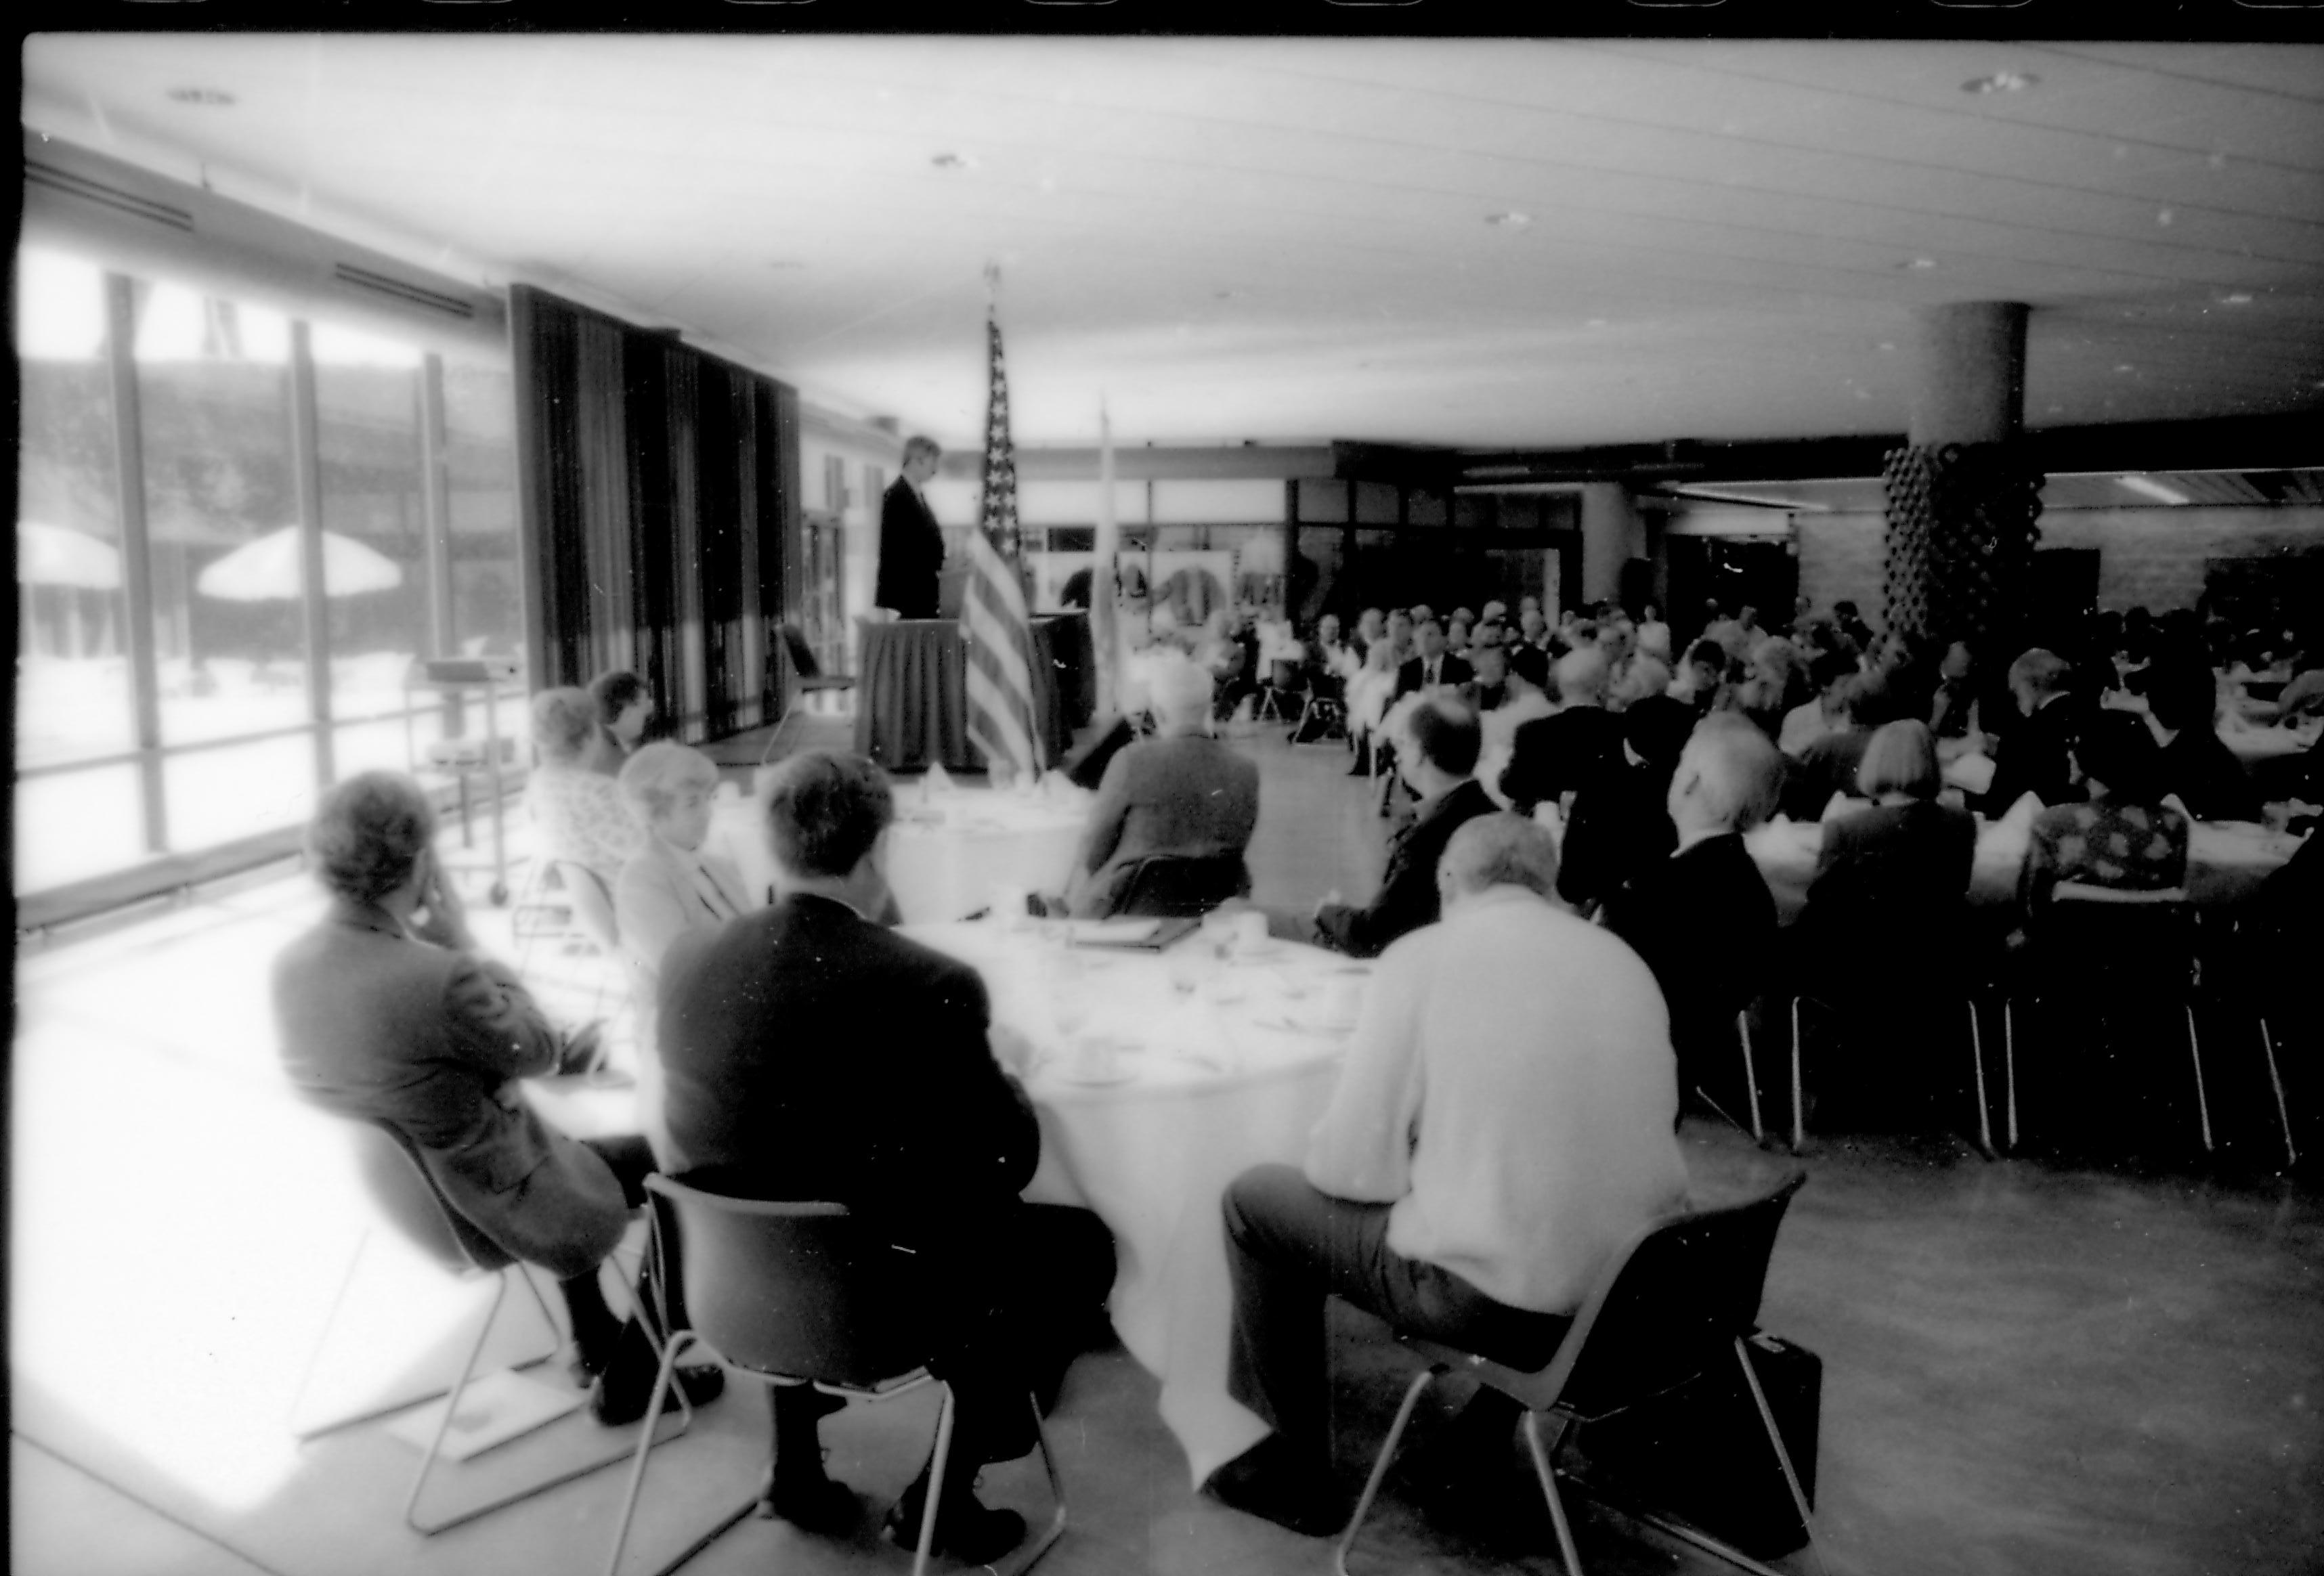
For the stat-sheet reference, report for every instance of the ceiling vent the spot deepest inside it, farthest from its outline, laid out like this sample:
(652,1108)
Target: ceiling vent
(412,295)
(112,197)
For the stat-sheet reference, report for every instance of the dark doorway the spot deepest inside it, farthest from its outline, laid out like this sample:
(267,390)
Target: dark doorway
(2064,592)
(1738,571)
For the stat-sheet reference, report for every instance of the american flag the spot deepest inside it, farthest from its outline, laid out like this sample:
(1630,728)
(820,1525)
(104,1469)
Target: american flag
(993,618)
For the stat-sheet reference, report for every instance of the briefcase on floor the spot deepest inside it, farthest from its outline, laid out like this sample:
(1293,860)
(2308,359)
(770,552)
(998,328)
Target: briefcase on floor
(1699,1455)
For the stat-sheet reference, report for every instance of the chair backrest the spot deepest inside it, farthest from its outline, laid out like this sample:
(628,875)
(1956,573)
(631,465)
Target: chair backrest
(801,654)
(593,903)
(796,1289)
(401,1184)
(1176,886)
(2138,941)
(1284,674)
(1668,1305)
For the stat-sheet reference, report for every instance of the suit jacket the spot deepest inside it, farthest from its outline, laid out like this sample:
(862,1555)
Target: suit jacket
(1620,827)
(2199,767)
(1826,767)
(1407,897)
(378,1026)
(807,1052)
(1705,922)
(1889,884)
(1190,795)
(1555,753)
(911,553)
(2036,756)
(1450,669)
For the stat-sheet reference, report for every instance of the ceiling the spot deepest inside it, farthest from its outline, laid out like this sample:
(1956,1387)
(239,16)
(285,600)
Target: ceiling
(1479,243)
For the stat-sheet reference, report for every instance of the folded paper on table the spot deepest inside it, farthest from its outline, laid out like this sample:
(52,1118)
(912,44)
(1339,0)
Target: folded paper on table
(494,1409)
(1148,935)
(1973,773)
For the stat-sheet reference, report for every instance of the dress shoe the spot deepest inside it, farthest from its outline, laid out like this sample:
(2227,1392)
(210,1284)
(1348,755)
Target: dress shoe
(620,1395)
(1258,1483)
(811,1502)
(967,1531)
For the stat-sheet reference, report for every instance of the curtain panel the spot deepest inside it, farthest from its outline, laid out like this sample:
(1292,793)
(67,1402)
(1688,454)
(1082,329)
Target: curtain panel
(659,499)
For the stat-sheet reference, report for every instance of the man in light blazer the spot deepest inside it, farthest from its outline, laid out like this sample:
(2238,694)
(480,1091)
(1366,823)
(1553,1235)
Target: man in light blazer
(1182,792)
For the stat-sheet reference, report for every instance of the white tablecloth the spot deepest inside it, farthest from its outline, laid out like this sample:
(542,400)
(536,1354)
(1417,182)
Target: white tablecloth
(1158,1078)
(949,848)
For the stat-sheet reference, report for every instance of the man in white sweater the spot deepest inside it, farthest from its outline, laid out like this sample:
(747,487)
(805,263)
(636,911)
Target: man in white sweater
(1503,1123)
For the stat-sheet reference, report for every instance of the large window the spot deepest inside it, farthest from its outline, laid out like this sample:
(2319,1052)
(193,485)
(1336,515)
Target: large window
(411,505)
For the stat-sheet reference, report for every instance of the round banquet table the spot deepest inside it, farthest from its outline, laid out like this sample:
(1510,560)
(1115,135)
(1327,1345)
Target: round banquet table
(948,849)
(2226,860)
(1158,1079)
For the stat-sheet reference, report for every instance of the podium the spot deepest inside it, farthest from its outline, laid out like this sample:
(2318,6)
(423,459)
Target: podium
(911,697)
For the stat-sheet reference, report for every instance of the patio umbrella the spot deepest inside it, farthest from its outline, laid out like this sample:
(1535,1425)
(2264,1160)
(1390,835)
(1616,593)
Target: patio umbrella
(267,569)
(56,555)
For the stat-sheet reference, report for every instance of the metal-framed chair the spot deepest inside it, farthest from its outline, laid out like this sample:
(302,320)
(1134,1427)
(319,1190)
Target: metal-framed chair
(2084,922)
(1283,679)
(1679,1299)
(1173,886)
(803,678)
(567,903)
(400,1183)
(795,1294)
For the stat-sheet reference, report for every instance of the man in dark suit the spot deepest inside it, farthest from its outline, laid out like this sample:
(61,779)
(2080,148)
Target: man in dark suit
(807,1052)
(911,543)
(1703,919)
(1439,752)
(1551,754)
(389,1014)
(2035,756)
(2197,764)
(1432,665)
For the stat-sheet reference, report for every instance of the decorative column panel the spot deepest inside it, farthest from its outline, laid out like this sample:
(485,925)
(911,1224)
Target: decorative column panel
(1962,494)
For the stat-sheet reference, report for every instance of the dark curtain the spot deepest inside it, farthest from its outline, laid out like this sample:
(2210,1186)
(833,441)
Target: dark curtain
(657,486)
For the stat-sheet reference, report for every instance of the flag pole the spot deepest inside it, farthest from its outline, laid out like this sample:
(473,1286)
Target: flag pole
(1106,618)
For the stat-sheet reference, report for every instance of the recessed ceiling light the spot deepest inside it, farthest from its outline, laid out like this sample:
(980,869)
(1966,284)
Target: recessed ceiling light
(216,97)
(785,262)
(1886,345)
(1918,263)
(2236,298)
(953,161)
(2148,487)
(2001,82)
(2125,366)
(1513,219)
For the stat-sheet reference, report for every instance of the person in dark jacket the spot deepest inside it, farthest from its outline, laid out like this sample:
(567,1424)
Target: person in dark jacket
(2036,755)
(1435,761)
(911,543)
(2196,765)
(809,1053)
(1551,756)
(1703,919)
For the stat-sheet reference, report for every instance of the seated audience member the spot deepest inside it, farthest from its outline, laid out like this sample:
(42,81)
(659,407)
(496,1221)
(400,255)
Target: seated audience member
(1181,792)
(672,884)
(2122,835)
(582,818)
(1704,919)
(1530,658)
(1700,677)
(1555,754)
(1330,660)
(1456,634)
(807,1052)
(1643,678)
(1850,623)
(2196,765)
(1372,628)
(389,1013)
(1893,873)
(1828,765)
(1433,666)
(1495,612)
(1370,694)
(2034,757)
(1621,825)
(1831,673)
(1502,1125)
(1953,708)
(1435,759)
(1503,702)
(1777,681)
(1229,649)
(1654,635)
(624,710)
(2303,693)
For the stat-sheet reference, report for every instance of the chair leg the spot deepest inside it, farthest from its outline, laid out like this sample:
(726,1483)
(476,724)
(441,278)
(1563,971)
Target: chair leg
(1783,1456)
(330,1323)
(1977,1060)
(2009,1062)
(664,1378)
(935,1485)
(1541,1468)
(1057,1494)
(1798,1121)
(1379,1468)
(1750,1075)
(2275,1081)
(2202,1101)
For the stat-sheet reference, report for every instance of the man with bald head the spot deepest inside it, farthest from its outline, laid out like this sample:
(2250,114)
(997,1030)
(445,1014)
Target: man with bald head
(1502,1124)
(1556,754)
(1704,919)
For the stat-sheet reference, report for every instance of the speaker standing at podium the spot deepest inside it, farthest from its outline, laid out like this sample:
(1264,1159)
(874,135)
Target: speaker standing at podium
(911,545)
